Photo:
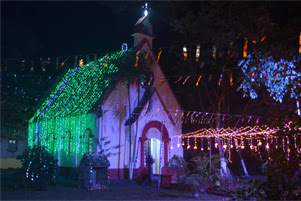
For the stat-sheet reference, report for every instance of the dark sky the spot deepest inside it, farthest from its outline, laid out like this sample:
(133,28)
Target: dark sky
(45,29)
(30,30)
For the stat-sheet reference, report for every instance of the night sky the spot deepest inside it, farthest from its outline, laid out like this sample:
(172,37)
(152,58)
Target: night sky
(34,30)
(51,29)
(45,29)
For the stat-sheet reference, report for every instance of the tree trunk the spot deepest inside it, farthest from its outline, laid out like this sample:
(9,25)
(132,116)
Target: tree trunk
(242,162)
(130,127)
(135,140)
(223,170)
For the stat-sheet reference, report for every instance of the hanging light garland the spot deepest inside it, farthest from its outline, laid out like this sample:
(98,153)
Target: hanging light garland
(195,144)
(197,54)
(250,134)
(185,52)
(245,48)
(214,52)
(300,43)
(197,84)
(159,56)
(137,59)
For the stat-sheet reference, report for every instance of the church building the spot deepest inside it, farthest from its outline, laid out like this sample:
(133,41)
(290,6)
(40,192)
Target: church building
(94,110)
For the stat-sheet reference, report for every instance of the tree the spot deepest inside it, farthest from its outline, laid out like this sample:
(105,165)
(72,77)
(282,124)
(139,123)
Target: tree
(225,35)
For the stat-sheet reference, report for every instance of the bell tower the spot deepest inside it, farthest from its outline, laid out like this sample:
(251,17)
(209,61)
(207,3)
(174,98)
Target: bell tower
(143,31)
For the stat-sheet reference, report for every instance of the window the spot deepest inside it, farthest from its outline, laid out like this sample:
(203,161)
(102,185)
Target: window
(12,145)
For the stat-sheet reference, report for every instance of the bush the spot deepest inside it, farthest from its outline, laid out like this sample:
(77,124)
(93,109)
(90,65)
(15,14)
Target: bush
(39,167)
(282,179)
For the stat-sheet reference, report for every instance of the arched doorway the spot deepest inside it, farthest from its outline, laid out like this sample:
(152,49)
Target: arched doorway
(153,149)
(144,137)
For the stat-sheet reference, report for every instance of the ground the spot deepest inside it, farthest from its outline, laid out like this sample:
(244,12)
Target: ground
(118,190)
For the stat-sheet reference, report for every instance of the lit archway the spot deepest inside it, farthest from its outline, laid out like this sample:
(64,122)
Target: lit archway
(165,138)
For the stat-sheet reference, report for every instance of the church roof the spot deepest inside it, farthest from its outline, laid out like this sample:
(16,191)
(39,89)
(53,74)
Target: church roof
(143,25)
(95,160)
(140,20)
(81,87)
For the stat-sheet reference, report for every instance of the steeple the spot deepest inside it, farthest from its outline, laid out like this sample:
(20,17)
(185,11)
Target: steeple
(143,30)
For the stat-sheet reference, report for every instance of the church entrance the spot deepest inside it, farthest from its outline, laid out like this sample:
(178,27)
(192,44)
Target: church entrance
(150,144)
(153,149)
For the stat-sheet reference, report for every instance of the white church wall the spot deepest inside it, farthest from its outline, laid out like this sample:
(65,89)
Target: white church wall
(165,89)
(160,115)
(116,112)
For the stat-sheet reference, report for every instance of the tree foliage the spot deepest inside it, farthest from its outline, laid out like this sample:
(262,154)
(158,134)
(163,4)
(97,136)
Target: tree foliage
(281,182)
(225,32)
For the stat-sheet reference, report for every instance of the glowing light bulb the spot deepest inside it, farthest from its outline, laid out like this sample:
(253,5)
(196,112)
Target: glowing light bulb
(81,62)
(178,145)
(251,146)
(202,149)
(242,146)
(195,147)
(259,143)
(171,147)
(215,145)
(188,147)
(197,54)
(231,146)
(145,12)
(267,146)
(224,146)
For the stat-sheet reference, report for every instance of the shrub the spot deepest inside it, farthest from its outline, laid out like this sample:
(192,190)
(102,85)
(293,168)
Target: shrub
(39,167)
(282,179)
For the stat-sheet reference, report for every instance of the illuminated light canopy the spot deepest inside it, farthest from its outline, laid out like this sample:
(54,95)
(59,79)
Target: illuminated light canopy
(80,88)
(64,123)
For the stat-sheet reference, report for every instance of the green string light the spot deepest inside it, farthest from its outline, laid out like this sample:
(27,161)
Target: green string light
(67,109)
